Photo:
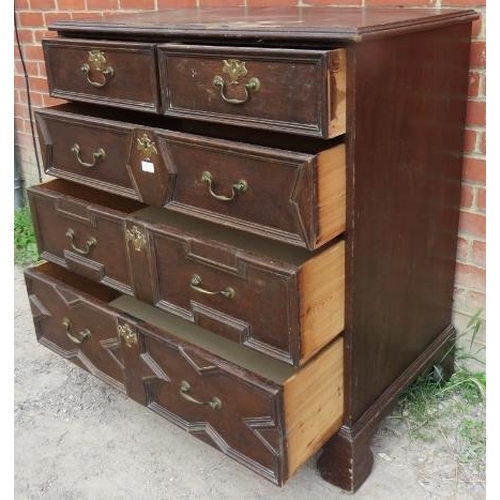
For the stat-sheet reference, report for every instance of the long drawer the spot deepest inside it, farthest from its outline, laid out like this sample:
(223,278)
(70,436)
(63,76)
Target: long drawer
(267,296)
(266,415)
(293,197)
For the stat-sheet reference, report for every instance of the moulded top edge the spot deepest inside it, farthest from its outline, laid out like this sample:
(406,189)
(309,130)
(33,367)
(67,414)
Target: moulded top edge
(269,23)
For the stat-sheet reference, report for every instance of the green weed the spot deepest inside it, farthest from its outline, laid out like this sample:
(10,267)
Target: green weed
(25,248)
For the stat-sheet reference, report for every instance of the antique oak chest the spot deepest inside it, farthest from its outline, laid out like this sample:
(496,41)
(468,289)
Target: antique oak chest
(252,230)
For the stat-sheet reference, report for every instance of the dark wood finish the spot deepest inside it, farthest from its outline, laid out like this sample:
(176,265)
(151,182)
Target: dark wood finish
(256,418)
(58,206)
(52,300)
(403,201)
(347,460)
(407,75)
(58,133)
(309,24)
(179,249)
(134,83)
(301,91)
(286,189)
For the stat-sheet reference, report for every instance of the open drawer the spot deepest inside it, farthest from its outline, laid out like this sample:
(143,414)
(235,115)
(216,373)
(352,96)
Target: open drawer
(263,413)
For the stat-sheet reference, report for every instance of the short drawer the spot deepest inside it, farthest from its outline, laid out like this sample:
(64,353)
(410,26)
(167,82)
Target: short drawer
(290,90)
(72,322)
(294,197)
(267,296)
(267,416)
(82,229)
(120,74)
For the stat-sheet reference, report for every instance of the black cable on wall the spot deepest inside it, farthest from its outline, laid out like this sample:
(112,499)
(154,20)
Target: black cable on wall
(26,79)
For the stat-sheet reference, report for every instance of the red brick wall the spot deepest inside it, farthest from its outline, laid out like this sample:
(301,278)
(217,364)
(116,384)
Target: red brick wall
(34,15)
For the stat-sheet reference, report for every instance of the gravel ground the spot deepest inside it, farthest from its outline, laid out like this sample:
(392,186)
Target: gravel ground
(76,438)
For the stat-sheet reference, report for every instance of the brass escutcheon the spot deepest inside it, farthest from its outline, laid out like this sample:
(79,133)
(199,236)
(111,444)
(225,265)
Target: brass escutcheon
(146,146)
(128,336)
(136,237)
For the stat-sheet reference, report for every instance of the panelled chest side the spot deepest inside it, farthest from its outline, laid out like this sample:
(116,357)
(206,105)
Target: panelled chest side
(253,229)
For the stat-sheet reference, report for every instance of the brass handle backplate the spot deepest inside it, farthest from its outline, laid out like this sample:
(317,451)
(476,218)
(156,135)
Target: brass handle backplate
(215,403)
(96,63)
(91,242)
(98,155)
(240,187)
(196,283)
(235,69)
(82,336)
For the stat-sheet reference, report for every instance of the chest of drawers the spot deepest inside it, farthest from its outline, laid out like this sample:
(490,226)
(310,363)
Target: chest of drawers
(253,227)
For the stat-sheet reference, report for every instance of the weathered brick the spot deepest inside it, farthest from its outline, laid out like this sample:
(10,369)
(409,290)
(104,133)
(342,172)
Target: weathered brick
(39,84)
(471,277)
(25,35)
(333,2)
(413,3)
(165,4)
(481,199)
(42,4)
(263,3)
(472,224)
(474,170)
(33,52)
(102,4)
(482,143)
(478,54)
(137,4)
(223,3)
(470,138)
(34,19)
(468,301)
(476,113)
(463,245)
(463,3)
(474,83)
(478,253)
(467,196)
(52,17)
(71,4)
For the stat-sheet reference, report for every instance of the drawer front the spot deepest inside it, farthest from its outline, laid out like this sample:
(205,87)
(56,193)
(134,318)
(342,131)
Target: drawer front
(227,407)
(291,197)
(267,416)
(76,327)
(226,291)
(83,237)
(120,74)
(86,150)
(295,91)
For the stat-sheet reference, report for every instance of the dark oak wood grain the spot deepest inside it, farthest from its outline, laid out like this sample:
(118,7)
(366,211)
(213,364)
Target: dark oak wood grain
(300,91)
(292,197)
(133,85)
(59,207)
(258,24)
(244,405)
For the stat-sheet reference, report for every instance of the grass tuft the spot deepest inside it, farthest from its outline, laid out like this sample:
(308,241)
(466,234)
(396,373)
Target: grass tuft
(25,248)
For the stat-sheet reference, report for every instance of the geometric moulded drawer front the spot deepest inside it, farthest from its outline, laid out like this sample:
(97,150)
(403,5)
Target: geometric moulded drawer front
(270,297)
(293,197)
(266,415)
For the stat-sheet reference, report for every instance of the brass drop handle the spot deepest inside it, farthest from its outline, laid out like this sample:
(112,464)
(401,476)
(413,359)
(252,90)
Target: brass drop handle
(98,155)
(106,73)
(91,242)
(82,336)
(215,403)
(196,283)
(253,85)
(240,187)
